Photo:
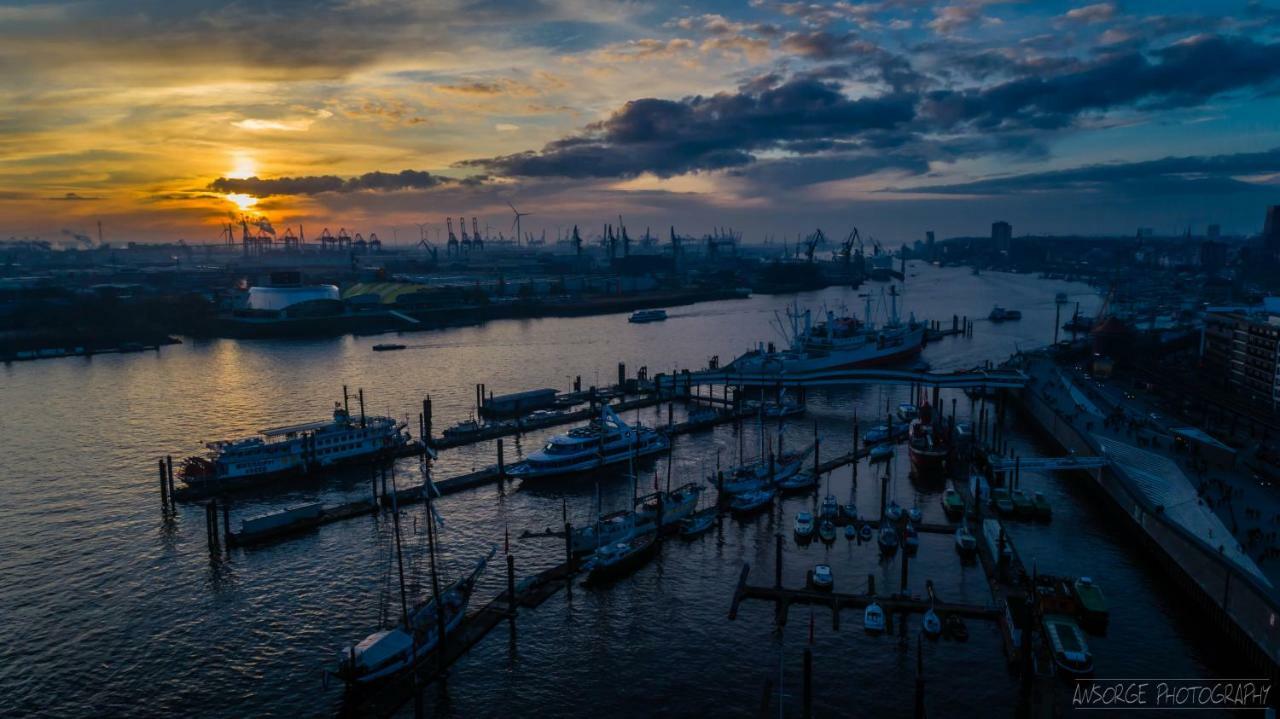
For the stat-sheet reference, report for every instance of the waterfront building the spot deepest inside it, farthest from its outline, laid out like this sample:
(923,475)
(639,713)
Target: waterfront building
(1242,347)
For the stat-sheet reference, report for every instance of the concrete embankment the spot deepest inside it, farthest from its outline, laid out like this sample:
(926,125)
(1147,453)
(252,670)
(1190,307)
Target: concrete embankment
(1236,602)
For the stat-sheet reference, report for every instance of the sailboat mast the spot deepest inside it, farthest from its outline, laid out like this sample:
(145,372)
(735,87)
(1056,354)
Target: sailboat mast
(395,523)
(435,576)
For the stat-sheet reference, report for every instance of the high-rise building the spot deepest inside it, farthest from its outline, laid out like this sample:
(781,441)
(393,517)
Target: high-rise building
(1271,231)
(1001,235)
(1243,348)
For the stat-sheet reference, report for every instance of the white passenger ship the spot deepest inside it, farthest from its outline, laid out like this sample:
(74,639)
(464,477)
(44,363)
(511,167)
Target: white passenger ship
(603,442)
(297,449)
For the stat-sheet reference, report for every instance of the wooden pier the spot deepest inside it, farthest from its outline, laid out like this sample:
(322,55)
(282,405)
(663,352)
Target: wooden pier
(327,515)
(784,597)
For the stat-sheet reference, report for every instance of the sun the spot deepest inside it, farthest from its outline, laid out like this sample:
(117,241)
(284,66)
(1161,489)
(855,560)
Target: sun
(241,200)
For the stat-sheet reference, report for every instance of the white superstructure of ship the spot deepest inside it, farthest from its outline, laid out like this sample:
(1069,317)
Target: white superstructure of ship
(839,342)
(298,449)
(605,441)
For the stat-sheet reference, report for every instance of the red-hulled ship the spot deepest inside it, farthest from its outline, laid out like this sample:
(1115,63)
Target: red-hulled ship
(927,443)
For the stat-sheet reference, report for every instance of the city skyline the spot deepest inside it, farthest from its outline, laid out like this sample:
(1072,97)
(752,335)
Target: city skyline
(895,116)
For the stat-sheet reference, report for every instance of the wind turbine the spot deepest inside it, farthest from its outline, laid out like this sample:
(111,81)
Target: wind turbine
(516,223)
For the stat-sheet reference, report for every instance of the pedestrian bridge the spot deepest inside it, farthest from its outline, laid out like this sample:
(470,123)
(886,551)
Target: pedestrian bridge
(1047,464)
(975,378)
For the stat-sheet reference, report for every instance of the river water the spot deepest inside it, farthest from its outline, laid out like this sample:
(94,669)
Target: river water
(107,610)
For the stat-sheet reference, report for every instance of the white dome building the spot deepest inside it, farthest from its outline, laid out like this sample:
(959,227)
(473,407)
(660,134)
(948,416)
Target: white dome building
(279,298)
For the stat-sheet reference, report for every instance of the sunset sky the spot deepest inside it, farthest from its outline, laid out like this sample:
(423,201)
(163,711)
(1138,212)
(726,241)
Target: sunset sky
(164,120)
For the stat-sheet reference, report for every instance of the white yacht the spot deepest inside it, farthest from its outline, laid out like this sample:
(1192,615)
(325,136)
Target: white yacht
(297,449)
(603,442)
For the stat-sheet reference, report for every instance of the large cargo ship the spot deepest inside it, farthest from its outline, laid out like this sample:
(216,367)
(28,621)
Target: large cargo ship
(839,342)
(296,449)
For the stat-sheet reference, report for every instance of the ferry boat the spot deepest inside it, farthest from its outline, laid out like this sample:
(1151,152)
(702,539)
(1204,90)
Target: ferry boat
(837,343)
(643,316)
(1092,603)
(603,442)
(296,449)
(1070,650)
(390,652)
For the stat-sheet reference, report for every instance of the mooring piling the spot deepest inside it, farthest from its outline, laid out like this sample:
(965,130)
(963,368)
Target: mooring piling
(164,490)
(777,564)
(511,584)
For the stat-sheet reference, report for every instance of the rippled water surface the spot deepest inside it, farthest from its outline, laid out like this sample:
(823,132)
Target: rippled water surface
(105,609)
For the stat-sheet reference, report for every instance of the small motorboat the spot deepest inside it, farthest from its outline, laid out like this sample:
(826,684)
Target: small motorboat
(850,533)
(820,578)
(804,525)
(827,531)
(1023,505)
(865,533)
(873,619)
(1092,603)
(888,539)
(387,347)
(698,523)
(966,543)
(830,507)
(915,515)
(907,411)
(1043,510)
(910,539)
(880,452)
(642,316)
(893,512)
(955,628)
(752,501)
(849,512)
(1070,650)
(931,625)
(952,504)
